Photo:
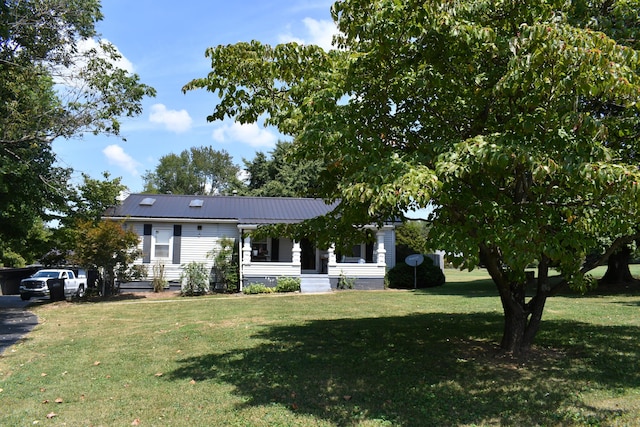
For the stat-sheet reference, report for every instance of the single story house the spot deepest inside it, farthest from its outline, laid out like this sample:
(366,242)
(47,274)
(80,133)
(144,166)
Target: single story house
(175,230)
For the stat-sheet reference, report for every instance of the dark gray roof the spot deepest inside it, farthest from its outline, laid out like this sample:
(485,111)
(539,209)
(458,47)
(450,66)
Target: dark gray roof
(246,210)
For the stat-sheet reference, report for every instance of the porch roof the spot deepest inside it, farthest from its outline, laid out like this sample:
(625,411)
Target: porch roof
(246,210)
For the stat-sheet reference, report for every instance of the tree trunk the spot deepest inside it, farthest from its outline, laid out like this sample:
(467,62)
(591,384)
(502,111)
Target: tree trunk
(521,320)
(515,322)
(618,272)
(108,282)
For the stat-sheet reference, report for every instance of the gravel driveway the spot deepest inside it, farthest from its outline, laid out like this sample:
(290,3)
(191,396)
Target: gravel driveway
(15,321)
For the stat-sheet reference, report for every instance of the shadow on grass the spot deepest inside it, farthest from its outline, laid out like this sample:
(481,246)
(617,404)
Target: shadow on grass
(471,289)
(427,369)
(487,288)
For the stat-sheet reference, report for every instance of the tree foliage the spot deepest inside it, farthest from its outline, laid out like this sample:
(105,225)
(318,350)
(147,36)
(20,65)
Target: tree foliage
(51,43)
(85,207)
(199,170)
(94,196)
(57,80)
(412,237)
(281,175)
(111,249)
(515,119)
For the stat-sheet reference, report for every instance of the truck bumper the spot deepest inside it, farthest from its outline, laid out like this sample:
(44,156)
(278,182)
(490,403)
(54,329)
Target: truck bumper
(32,293)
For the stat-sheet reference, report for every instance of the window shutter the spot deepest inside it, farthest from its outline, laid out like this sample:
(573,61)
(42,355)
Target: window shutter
(275,249)
(177,243)
(146,244)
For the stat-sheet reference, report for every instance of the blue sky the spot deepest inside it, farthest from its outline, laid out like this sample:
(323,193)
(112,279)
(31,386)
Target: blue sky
(164,43)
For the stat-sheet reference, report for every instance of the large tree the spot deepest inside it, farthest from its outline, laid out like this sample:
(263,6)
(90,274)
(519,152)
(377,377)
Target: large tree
(199,170)
(515,119)
(86,240)
(111,249)
(85,206)
(57,80)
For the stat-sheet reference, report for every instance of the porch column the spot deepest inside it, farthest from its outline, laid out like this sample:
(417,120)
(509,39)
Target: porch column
(381,252)
(332,255)
(246,250)
(296,254)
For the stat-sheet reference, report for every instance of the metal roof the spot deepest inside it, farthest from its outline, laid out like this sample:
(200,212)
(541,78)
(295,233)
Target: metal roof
(246,210)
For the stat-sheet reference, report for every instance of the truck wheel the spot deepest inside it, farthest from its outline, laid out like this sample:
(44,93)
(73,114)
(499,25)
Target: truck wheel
(80,292)
(24,297)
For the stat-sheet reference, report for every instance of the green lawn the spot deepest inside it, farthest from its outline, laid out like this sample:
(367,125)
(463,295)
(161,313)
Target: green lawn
(387,358)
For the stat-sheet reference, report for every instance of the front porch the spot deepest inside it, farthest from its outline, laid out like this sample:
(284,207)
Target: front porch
(320,270)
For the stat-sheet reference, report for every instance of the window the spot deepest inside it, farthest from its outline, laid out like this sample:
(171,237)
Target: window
(356,251)
(259,251)
(163,238)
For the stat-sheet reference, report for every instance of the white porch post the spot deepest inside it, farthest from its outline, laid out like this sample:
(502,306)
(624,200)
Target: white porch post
(246,250)
(296,253)
(332,261)
(381,252)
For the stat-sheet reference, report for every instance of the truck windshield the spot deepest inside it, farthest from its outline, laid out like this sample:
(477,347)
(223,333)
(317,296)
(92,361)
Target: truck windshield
(48,274)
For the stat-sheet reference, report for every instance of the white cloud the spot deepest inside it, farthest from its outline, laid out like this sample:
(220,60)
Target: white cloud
(243,175)
(173,120)
(68,76)
(88,44)
(116,156)
(250,134)
(318,32)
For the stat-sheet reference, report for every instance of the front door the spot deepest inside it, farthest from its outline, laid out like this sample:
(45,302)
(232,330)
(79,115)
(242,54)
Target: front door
(308,255)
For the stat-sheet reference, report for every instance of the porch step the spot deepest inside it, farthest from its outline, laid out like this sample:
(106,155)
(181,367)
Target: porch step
(314,283)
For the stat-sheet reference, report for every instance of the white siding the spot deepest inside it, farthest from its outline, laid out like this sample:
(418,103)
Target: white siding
(138,228)
(195,245)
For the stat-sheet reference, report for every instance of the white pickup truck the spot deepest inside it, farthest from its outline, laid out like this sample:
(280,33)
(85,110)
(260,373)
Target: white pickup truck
(37,285)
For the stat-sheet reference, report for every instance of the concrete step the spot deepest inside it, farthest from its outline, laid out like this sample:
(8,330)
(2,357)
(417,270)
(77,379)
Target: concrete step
(313,284)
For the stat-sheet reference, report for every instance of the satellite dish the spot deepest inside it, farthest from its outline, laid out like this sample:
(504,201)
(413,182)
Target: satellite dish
(414,260)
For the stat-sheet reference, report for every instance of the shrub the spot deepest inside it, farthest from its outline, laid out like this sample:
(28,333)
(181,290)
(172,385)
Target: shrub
(288,284)
(427,276)
(158,281)
(257,288)
(194,279)
(226,267)
(345,282)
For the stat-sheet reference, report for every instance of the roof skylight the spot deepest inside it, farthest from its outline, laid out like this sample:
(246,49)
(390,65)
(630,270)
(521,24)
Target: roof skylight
(147,201)
(196,203)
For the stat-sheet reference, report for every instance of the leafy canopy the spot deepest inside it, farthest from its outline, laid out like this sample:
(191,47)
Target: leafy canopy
(517,120)
(512,118)
(199,170)
(281,174)
(57,80)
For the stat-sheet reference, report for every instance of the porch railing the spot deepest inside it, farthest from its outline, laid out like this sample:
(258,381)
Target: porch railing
(356,270)
(290,269)
(271,269)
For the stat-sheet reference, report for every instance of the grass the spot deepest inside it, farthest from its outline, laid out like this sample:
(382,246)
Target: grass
(390,358)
